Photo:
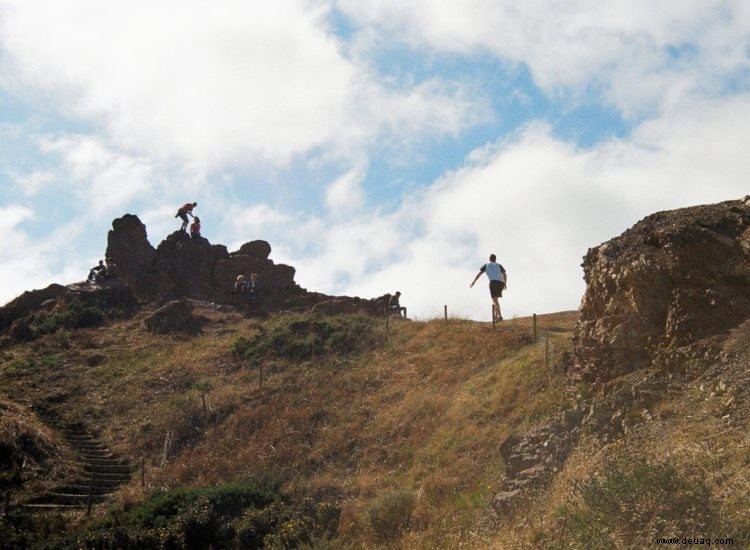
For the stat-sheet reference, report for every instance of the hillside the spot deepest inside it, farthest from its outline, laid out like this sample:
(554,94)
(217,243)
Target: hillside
(621,424)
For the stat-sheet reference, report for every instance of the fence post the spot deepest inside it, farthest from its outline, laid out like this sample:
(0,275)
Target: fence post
(445,310)
(546,351)
(535,328)
(493,318)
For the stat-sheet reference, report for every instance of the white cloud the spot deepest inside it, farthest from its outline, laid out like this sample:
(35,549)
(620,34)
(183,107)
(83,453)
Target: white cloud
(211,84)
(539,204)
(26,262)
(345,195)
(103,179)
(631,49)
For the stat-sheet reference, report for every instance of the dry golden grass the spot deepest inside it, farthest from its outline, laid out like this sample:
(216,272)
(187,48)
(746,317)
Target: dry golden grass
(423,413)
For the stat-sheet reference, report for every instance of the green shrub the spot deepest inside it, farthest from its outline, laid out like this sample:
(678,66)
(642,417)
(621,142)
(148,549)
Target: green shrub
(299,336)
(241,515)
(632,503)
(75,315)
(390,514)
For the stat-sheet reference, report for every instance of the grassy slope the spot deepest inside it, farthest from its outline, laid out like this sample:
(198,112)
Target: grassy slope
(423,413)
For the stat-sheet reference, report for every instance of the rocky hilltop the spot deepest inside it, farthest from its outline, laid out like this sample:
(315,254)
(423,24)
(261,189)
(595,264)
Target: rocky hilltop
(670,281)
(179,268)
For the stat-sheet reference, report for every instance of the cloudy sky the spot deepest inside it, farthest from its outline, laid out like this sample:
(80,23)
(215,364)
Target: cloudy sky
(376,145)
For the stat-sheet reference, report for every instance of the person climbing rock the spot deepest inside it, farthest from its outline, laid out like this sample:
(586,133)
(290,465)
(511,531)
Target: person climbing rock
(498,282)
(183,213)
(195,228)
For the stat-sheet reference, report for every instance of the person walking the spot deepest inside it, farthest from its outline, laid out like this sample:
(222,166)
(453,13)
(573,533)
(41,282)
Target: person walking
(498,282)
(183,213)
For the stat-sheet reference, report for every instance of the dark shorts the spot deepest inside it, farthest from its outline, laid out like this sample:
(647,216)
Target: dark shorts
(496,289)
(182,216)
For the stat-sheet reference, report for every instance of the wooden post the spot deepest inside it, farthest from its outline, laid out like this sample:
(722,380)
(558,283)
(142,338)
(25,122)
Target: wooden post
(445,310)
(546,351)
(91,494)
(143,473)
(535,328)
(493,318)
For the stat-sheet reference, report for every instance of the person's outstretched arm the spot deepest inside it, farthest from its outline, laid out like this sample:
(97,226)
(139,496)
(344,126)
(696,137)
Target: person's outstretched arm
(475,278)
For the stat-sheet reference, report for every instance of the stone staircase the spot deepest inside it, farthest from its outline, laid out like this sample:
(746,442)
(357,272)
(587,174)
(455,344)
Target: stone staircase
(94,476)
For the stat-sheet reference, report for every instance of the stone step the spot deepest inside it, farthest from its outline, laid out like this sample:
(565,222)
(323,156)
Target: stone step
(123,469)
(85,489)
(104,483)
(106,462)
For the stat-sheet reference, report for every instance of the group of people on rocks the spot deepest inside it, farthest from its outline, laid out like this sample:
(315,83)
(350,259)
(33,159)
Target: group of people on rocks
(187,210)
(496,273)
(102,271)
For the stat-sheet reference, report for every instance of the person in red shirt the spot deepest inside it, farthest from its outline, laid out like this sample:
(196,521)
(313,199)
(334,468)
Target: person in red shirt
(195,228)
(184,212)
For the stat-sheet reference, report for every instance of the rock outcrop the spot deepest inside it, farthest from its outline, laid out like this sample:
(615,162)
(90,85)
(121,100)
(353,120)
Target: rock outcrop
(672,279)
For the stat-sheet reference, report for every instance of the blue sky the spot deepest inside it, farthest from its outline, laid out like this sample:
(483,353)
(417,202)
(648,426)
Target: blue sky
(376,145)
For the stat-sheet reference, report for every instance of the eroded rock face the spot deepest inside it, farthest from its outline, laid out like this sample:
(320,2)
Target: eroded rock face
(175,316)
(673,278)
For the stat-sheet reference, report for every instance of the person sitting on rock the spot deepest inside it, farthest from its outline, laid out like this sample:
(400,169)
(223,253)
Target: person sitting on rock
(253,289)
(394,306)
(98,272)
(195,228)
(183,213)
(239,284)
(111,268)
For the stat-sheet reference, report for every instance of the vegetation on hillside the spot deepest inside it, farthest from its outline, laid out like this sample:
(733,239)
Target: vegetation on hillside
(371,439)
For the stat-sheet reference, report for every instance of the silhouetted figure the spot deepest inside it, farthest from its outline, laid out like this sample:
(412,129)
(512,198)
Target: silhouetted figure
(183,213)
(394,306)
(98,273)
(195,228)
(498,282)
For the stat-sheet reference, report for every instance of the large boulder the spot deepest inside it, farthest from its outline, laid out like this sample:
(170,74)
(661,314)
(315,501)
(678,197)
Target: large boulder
(672,279)
(133,256)
(175,316)
(185,266)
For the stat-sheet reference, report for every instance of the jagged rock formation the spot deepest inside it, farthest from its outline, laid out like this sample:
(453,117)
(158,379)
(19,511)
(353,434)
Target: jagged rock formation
(672,279)
(179,268)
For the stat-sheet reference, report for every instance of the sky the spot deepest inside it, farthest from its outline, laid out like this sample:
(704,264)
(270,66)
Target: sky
(378,146)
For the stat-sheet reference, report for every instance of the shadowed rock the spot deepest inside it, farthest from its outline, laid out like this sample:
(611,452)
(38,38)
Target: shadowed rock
(672,279)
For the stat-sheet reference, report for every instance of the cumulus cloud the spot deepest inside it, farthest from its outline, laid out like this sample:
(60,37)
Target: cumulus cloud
(539,203)
(211,84)
(27,263)
(345,195)
(638,52)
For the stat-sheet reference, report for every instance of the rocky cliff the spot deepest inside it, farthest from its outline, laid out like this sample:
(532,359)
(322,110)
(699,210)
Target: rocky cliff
(179,267)
(671,280)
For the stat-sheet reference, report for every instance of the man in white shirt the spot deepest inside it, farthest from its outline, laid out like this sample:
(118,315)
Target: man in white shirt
(498,281)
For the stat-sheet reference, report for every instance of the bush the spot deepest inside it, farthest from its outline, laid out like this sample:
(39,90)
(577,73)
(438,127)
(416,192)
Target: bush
(240,515)
(390,514)
(297,337)
(633,503)
(76,315)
